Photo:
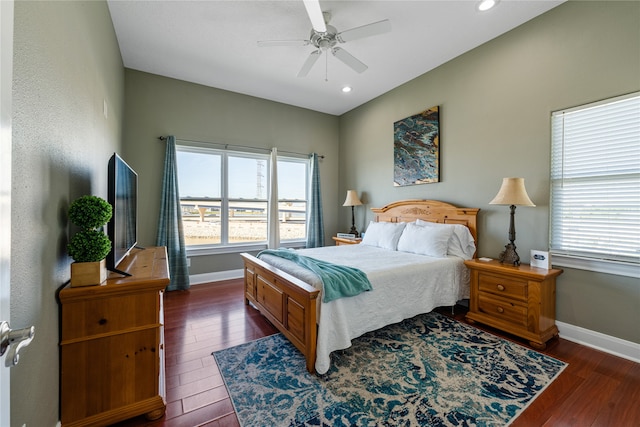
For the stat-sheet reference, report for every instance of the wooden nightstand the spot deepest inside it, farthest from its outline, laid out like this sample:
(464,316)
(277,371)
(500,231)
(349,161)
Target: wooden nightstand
(520,299)
(343,241)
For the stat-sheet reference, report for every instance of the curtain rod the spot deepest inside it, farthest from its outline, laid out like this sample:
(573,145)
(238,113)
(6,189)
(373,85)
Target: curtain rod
(162,138)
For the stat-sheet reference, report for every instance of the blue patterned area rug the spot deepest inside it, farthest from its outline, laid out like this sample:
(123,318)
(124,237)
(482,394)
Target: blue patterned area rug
(426,371)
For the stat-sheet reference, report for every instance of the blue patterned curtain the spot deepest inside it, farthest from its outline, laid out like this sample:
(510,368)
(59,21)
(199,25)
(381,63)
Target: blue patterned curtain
(315,225)
(170,231)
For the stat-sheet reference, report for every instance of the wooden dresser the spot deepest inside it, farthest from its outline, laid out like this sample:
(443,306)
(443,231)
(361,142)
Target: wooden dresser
(112,344)
(520,300)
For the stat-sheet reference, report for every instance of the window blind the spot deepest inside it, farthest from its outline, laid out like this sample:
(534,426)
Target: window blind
(595,180)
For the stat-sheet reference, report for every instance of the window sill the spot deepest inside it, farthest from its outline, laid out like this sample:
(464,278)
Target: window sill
(236,249)
(600,266)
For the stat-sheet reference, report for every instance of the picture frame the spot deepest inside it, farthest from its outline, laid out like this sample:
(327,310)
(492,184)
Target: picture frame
(416,148)
(540,259)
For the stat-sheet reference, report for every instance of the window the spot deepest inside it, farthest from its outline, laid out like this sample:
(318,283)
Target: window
(292,198)
(595,186)
(224,197)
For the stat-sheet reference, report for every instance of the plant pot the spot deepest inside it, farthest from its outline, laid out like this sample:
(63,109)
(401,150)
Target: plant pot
(88,273)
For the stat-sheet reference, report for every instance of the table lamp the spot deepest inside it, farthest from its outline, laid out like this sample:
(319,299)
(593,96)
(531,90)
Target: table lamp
(352,200)
(512,193)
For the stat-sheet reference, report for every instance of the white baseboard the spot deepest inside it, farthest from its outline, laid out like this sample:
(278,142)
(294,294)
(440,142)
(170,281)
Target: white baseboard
(612,345)
(197,279)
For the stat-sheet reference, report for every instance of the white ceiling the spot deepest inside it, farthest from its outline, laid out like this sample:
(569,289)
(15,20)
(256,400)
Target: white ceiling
(213,43)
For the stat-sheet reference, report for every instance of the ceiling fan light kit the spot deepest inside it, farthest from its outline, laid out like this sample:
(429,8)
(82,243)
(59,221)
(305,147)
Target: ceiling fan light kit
(325,37)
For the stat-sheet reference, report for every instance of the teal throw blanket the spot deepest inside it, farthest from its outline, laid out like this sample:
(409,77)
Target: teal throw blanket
(338,280)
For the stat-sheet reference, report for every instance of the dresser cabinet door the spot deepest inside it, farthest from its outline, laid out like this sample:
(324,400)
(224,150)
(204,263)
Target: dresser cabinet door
(110,372)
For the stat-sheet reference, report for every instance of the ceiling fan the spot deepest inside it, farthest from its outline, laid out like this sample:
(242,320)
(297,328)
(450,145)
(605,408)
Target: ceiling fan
(325,37)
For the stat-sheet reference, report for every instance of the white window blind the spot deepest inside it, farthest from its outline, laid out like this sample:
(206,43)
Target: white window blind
(595,181)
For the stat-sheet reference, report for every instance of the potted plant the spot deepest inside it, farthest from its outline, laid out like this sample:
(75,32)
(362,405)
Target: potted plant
(90,246)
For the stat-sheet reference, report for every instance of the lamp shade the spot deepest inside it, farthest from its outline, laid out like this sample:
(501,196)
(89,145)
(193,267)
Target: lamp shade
(512,192)
(352,199)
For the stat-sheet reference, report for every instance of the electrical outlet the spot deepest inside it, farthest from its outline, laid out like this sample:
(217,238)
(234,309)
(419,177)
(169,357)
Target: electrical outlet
(188,262)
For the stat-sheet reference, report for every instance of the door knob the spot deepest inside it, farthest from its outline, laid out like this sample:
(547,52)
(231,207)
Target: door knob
(14,340)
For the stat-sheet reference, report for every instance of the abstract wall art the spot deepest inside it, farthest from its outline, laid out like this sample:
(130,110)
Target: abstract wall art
(416,149)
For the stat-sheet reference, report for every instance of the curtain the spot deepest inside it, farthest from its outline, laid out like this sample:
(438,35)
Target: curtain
(170,230)
(273,220)
(315,225)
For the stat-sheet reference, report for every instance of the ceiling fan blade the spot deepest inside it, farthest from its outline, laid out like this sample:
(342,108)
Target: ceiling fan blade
(308,64)
(368,30)
(269,43)
(349,59)
(315,15)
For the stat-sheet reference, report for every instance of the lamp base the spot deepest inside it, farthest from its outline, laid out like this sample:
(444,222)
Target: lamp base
(509,255)
(353,224)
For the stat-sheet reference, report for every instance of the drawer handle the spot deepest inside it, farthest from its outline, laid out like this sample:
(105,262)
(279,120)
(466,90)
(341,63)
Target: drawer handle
(500,310)
(500,288)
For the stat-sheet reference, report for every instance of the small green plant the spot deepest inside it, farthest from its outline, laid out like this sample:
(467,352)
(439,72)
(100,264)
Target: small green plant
(90,244)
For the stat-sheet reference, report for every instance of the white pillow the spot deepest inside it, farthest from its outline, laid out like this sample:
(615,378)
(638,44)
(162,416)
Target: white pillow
(461,243)
(430,241)
(383,234)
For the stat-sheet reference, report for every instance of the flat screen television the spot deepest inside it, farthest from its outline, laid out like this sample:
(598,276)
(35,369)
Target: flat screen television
(123,197)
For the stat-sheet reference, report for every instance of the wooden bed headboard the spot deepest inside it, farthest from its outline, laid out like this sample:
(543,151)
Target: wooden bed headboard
(428,210)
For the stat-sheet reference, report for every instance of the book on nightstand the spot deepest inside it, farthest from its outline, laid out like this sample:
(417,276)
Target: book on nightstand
(346,235)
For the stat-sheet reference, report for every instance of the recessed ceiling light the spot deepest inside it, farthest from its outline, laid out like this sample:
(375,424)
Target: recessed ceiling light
(346,89)
(485,5)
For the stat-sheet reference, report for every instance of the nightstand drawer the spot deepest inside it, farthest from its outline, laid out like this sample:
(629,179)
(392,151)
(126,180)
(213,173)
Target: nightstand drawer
(505,286)
(502,309)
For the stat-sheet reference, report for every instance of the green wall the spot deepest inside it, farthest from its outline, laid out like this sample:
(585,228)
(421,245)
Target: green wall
(495,104)
(67,64)
(157,106)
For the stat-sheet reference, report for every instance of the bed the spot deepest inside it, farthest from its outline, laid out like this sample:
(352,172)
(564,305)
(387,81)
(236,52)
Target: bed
(291,297)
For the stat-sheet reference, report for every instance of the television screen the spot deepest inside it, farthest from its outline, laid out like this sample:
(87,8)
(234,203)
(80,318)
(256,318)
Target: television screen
(123,196)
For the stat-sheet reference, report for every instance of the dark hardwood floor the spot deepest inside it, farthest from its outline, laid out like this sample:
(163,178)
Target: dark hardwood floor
(596,389)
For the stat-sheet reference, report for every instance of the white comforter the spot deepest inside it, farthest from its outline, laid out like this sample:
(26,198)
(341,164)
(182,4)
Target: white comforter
(404,285)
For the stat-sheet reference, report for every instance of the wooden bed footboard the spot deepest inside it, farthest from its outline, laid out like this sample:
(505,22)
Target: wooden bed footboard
(288,303)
